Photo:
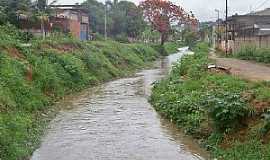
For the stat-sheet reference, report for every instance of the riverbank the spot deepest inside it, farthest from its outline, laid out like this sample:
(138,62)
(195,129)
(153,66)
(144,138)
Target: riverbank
(115,121)
(227,115)
(35,75)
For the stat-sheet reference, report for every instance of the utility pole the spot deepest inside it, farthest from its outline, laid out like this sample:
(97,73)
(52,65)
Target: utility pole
(218,27)
(226,29)
(105,23)
(218,15)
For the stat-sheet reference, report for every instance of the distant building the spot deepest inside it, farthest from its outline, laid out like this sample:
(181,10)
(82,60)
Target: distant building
(71,18)
(66,18)
(250,29)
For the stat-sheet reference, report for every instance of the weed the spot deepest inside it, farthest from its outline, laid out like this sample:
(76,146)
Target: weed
(210,105)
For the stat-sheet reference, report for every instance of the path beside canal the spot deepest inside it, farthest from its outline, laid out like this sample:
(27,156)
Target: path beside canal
(246,69)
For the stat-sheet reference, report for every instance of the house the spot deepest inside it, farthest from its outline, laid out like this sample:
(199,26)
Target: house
(71,18)
(250,29)
(65,18)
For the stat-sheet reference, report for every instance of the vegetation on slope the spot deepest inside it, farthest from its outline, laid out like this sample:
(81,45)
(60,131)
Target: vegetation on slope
(172,47)
(32,78)
(228,115)
(254,54)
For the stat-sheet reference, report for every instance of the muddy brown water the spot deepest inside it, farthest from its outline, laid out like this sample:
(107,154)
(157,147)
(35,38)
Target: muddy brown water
(114,121)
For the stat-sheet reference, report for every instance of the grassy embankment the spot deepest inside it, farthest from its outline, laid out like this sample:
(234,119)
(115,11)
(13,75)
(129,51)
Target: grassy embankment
(33,78)
(229,116)
(255,54)
(172,47)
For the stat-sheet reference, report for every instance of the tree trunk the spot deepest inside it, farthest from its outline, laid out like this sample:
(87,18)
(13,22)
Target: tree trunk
(43,29)
(163,38)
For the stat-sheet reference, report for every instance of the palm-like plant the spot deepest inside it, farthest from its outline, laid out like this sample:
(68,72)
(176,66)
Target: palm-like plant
(43,12)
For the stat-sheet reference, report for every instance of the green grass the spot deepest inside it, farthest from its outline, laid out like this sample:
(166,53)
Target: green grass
(172,47)
(261,55)
(212,106)
(47,71)
(250,150)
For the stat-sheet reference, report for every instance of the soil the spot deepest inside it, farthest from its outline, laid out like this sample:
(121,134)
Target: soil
(62,48)
(245,69)
(65,48)
(13,52)
(29,74)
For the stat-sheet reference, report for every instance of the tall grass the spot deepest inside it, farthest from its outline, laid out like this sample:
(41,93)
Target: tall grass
(255,54)
(172,47)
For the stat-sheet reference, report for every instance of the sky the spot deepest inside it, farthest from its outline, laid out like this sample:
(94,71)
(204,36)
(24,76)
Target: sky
(204,10)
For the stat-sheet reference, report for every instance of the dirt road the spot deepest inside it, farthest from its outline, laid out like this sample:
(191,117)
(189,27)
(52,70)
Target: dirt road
(246,69)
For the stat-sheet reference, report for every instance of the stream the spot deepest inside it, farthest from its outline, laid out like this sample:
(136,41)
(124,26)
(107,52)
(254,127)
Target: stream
(114,121)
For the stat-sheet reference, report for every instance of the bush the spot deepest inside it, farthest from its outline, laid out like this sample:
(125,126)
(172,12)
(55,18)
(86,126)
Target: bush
(172,47)
(214,107)
(227,109)
(122,38)
(256,54)
(251,150)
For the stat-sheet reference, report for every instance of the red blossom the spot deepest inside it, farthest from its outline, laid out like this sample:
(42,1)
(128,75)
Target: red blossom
(162,13)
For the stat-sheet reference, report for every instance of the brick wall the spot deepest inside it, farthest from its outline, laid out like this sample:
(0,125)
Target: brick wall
(257,41)
(75,28)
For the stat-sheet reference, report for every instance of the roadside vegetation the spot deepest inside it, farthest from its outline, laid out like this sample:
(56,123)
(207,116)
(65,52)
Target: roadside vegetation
(227,115)
(33,77)
(172,47)
(255,54)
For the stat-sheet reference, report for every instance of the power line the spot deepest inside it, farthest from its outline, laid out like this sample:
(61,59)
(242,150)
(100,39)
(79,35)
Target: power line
(257,3)
(263,3)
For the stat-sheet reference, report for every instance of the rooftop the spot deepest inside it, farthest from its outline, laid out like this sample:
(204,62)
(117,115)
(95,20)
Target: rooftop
(69,7)
(265,12)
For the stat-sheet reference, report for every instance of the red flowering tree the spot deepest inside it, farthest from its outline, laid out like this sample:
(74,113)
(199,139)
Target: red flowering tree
(162,13)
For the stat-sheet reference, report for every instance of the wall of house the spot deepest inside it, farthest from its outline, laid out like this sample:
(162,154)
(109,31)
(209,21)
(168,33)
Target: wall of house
(222,46)
(75,28)
(242,32)
(257,41)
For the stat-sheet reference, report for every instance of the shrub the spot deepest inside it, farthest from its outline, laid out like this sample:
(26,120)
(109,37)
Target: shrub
(172,47)
(122,38)
(214,107)
(251,150)
(256,54)
(227,109)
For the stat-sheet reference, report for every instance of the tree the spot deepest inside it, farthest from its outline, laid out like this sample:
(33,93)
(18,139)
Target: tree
(124,18)
(150,35)
(162,13)
(134,21)
(189,37)
(42,12)
(41,5)
(96,12)
(10,9)
(3,15)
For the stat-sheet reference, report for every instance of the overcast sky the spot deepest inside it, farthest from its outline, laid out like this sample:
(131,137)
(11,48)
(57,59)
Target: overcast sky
(205,9)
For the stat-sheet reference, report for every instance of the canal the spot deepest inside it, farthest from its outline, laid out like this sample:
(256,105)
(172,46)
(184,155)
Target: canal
(114,121)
